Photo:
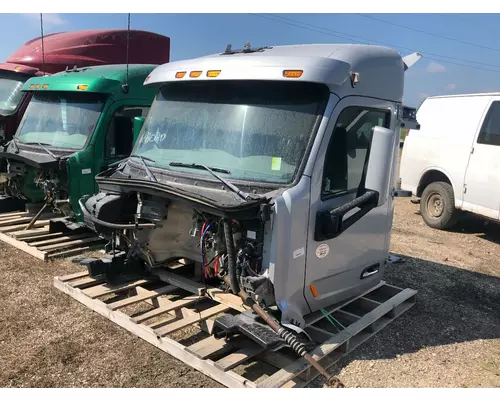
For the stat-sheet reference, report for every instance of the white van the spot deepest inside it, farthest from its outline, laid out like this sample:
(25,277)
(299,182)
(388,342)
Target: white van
(453,162)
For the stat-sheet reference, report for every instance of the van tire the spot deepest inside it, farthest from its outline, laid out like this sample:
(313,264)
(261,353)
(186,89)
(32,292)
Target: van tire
(437,206)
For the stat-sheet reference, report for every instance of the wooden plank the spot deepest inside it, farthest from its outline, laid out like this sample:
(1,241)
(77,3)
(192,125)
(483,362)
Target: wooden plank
(85,282)
(166,307)
(71,277)
(33,232)
(20,220)
(33,237)
(14,214)
(59,239)
(282,376)
(275,359)
(166,344)
(181,282)
(14,228)
(41,255)
(210,347)
(101,290)
(198,317)
(239,356)
(70,252)
(218,295)
(70,243)
(141,297)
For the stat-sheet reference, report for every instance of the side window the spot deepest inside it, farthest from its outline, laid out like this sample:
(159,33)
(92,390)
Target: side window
(347,154)
(120,135)
(490,130)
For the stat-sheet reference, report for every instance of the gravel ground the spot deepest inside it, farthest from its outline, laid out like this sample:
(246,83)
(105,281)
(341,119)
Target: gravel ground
(450,338)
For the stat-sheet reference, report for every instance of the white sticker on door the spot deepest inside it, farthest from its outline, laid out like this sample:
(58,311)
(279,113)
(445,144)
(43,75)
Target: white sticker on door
(86,171)
(299,252)
(322,250)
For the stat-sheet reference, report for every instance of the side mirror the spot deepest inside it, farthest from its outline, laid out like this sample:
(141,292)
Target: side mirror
(138,123)
(380,162)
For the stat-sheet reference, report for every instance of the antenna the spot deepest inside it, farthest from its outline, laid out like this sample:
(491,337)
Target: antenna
(125,86)
(43,50)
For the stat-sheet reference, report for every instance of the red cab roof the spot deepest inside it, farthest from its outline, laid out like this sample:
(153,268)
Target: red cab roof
(87,48)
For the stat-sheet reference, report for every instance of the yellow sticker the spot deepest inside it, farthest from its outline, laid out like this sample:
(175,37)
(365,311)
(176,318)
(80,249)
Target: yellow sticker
(276,164)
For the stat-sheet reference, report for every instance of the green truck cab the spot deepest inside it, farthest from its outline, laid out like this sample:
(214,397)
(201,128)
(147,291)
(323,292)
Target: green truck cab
(77,124)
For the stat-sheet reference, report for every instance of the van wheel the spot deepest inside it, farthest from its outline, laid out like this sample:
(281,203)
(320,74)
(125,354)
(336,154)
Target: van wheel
(437,206)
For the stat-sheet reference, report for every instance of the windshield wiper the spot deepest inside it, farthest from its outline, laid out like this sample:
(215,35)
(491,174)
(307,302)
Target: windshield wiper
(243,195)
(148,171)
(42,145)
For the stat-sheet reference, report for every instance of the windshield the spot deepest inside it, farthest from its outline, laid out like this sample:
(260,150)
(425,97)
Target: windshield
(10,91)
(60,119)
(257,130)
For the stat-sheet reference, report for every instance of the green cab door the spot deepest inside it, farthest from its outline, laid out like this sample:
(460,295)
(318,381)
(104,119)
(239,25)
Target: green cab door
(116,138)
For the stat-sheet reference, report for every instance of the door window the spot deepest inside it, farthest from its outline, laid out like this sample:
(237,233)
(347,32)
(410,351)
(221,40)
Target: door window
(347,154)
(490,130)
(120,135)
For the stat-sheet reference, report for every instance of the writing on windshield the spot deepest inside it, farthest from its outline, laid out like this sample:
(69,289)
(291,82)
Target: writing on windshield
(257,130)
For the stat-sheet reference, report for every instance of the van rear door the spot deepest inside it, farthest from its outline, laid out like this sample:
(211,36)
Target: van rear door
(482,176)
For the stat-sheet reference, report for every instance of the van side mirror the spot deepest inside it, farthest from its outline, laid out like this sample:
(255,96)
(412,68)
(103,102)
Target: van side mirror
(138,123)
(380,162)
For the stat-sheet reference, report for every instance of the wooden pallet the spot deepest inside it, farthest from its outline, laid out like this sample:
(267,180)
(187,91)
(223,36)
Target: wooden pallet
(160,311)
(39,241)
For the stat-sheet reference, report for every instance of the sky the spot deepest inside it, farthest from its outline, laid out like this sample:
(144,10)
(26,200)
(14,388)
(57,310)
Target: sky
(444,40)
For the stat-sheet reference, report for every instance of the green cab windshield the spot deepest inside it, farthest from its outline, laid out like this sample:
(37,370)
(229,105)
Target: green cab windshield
(11,84)
(60,119)
(257,131)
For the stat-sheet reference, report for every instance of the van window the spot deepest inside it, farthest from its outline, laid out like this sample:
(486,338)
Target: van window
(347,154)
(120,135)
(490,130)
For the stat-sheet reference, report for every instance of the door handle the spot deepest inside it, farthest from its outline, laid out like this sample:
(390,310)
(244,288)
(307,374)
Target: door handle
(366,274)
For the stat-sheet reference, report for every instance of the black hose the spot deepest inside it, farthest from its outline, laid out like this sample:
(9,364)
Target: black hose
(231,258)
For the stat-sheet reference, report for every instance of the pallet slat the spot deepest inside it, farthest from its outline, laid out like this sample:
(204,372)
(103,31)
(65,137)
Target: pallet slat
(234,359)
(166,307)
(197,317)
(146,295)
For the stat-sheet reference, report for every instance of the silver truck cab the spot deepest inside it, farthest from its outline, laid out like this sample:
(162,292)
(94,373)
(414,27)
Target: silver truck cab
(295,148)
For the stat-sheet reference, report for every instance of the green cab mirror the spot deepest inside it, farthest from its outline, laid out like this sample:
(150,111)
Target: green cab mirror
(138,123)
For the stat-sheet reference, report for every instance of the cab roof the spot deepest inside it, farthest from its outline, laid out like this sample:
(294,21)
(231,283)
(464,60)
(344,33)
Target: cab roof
(98,79)
(380,70)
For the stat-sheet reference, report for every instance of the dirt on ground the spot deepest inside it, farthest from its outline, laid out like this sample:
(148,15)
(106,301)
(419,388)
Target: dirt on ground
(450,338)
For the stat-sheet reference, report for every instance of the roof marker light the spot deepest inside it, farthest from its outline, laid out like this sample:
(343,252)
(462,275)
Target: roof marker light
(32,86)
(180,74)
(18,68)
(195,74)
(37,86)
(213,73)
(45,86)
(82,87)
(292,73)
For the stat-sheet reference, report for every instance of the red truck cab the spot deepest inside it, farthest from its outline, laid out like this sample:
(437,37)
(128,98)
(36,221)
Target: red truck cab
(67,50)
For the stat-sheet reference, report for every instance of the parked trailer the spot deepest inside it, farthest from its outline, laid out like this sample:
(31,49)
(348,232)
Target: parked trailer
(269,173)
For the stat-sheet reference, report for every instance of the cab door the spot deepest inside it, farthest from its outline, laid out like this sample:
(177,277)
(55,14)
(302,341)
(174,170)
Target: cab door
(117,136)
(482,176)
(349,263)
